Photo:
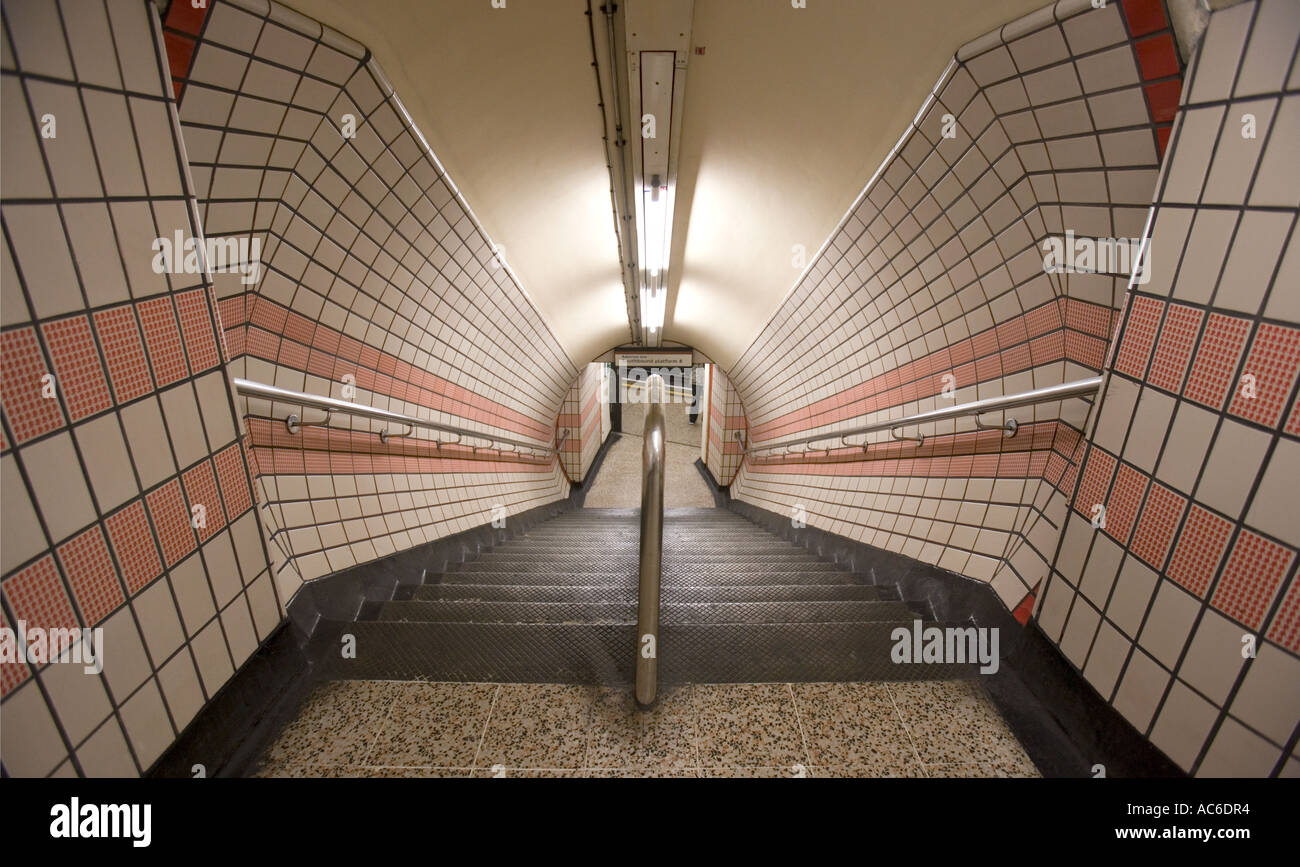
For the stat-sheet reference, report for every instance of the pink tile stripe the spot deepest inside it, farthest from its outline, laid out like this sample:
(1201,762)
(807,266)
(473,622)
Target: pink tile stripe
(1061,329)
(281,336)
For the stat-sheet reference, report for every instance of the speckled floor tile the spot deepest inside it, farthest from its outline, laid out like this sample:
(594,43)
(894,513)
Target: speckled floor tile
(433,725)
(955,723)
(854,725)
(795,771)
(336,725)
(747,725)
(624,736)
(982,770)
(537,725)
(386,729)
(525,773)
(912,768)
(638,773)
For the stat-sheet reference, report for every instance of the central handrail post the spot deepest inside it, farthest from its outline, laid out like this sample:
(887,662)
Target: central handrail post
(652,538)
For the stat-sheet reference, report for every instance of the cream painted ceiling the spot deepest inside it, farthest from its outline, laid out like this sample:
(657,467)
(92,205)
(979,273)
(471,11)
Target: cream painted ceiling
(788,114)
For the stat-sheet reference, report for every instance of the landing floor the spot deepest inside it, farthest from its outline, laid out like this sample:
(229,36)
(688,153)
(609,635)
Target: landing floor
(405,729)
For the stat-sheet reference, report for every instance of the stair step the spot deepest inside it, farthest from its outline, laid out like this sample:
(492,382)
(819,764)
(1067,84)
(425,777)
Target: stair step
(616,565)
(562,561)
(606,654)
(625,612)
(699,577)
(668,593)
(705,546)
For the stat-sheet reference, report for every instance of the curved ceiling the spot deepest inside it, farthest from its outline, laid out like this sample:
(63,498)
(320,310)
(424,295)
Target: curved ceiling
(788,113)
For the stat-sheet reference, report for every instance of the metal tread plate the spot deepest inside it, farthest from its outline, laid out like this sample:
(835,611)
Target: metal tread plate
(669,593)
(605,654)
(834,611)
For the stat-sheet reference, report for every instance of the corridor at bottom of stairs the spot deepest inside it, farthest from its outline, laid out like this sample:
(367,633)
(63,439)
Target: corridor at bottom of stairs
(773,662)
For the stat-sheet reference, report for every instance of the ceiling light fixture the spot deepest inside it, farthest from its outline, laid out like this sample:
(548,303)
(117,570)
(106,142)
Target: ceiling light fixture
(654,303)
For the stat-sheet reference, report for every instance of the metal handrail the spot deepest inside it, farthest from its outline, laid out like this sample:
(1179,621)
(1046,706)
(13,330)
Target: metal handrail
(652,541)
(331,405)
(1077,388)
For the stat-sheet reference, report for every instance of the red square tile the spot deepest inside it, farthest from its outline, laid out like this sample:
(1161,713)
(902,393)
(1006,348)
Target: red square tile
(1285,628)
(179,52)
(1174,347)
(1097,472)
(23,387)
(186,18)
(37,597)
(1124,501)
(1251,578)
(196,326)
(76,364)
(1144,16)
(1200,548)
(1216,360)
(1157,57)
(11,673)
(1156,525)
(1163,97)
(234,480)
(128,367)
(172,519)
(1139,336)
(91,575)
(201,488)
(1273,363)
(163,337)
(132,540)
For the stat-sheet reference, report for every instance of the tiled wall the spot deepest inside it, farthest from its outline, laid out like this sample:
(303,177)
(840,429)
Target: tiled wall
(933,291)
(373,269)
(586,418)
(726,419)
(102,472)
(1196,451)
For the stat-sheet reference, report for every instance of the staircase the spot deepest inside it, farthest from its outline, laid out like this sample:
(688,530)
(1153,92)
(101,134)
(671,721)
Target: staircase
(558,605)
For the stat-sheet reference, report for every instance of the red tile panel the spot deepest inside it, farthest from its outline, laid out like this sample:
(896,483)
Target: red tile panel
(1144,16)
(163,337)
(1199,550)
(128,367)
(91,575)
(1216,360)
(1174,347)
(1156,525)
(1124,502)
(37,597)
(234,480)
(172,519)
(1139,336)
(76,364)
(1273,363)
(201,489)
(22,386)
(196,326)
(132,540)
(1251,578)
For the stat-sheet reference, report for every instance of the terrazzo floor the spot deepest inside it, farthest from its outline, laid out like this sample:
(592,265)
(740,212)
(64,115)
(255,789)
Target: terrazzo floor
(410,729)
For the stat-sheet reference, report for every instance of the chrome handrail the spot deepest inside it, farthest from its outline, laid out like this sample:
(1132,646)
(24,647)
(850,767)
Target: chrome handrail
(1077,388)
(249,388)
(652,540)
